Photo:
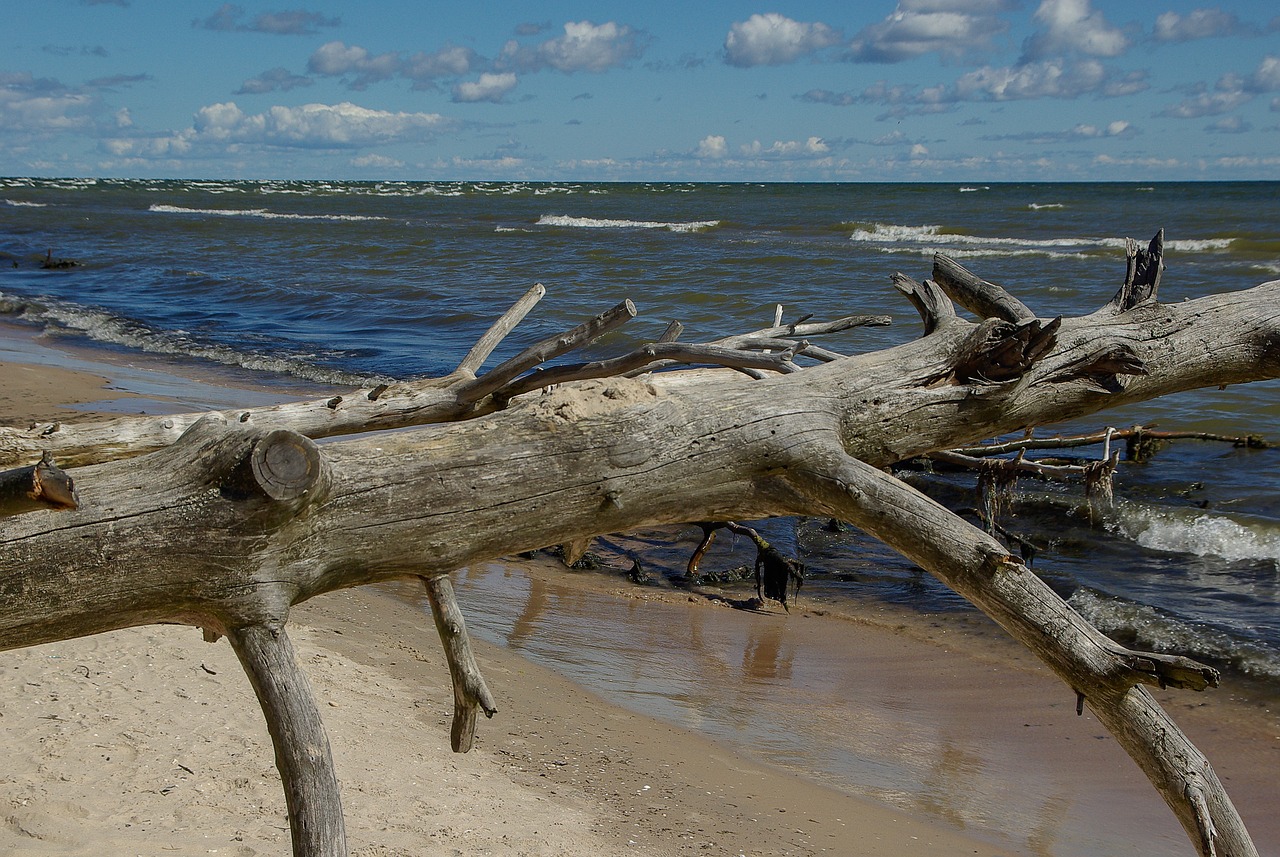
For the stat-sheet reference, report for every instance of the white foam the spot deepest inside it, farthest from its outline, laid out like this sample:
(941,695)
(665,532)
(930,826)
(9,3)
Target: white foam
(1194,531)
(565,220)
(18,203)
(257,212)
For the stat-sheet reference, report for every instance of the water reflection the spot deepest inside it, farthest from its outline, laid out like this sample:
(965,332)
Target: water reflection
(920,734)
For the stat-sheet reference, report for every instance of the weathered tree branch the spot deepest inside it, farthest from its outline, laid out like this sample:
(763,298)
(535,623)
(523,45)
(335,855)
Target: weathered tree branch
(469,688)
(983,299)
(302,747)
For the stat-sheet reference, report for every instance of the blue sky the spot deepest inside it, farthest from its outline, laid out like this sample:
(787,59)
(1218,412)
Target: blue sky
(930,90)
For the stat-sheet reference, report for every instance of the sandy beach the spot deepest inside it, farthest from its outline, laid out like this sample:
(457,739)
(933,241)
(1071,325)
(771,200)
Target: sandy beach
(148,741)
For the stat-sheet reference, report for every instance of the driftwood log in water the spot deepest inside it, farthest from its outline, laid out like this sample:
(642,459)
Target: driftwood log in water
(244,515)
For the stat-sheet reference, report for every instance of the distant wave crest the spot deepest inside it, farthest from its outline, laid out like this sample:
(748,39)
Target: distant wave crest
(901,238)
(257,212)
(565,220)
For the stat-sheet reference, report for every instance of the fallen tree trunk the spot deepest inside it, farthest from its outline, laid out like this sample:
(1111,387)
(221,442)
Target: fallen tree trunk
(240,519)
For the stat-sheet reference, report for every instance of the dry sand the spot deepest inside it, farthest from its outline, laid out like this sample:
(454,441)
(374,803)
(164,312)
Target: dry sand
(148,741)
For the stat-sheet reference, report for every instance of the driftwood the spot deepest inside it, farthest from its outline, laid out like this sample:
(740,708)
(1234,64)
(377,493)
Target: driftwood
(239,515)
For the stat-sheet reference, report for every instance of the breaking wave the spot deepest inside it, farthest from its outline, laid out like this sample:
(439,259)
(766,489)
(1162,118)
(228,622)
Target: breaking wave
(259,212)
(1145,627)
(899,238)
(1200,533)
(62,318)
(564,220)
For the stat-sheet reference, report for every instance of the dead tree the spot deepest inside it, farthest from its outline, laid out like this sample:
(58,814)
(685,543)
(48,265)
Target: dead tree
(244,515)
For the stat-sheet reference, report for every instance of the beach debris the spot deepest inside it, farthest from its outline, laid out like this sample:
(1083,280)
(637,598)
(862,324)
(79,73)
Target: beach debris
(775,574)
(43,485)
(51,264)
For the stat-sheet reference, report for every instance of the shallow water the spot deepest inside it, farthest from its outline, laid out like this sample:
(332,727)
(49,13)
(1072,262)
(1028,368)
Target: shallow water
(896,720)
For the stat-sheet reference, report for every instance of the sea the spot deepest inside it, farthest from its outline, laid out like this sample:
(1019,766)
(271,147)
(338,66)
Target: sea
(353,283)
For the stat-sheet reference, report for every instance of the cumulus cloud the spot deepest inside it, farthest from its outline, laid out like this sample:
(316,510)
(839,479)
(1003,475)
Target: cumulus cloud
(292,22)
(1197,24)
(787,148)
(225,126)
(1072,27)
(337,59)
(450,61)
(772,39)
(712,146)
(1231,91)
(584,46)
(1051,79)
(916,27)
(278,78)
(1266,78)
(32,105)
(490,87)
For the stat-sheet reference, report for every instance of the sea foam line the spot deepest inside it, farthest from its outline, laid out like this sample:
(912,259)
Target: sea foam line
(602,223)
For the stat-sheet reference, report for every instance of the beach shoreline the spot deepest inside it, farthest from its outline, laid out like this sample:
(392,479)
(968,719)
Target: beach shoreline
(562,769)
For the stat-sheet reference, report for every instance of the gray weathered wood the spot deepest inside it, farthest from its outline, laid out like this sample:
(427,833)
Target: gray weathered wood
(202,532)
(302,749)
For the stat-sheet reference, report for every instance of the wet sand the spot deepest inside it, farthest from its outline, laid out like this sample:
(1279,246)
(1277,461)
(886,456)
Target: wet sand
(632,720)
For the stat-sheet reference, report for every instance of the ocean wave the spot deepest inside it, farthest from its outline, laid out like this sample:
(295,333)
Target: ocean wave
(974,189)
(18,203)
(1044,206)
(898,238)
(1146,627)
(259,212)
(61,318)
(565,220)
(1200,533)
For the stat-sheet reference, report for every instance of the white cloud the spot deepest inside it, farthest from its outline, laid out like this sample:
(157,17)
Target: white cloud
(916,27)
(1266,78)
(490,87)
(377,162)
(1196,24)
(1073,26)
(1229,92)
(583,47)
(309,126)
(1053,79)
(334,59)
(772,39)
(788,148)
(42,105)
(712,146)
(450,61)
